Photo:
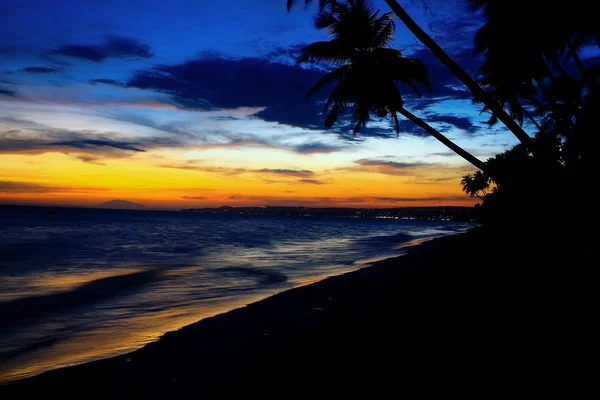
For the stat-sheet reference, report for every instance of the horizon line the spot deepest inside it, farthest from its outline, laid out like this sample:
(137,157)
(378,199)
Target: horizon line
(222,206)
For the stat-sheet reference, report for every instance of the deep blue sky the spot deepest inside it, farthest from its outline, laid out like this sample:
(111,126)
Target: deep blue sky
(69,42)
(212,87)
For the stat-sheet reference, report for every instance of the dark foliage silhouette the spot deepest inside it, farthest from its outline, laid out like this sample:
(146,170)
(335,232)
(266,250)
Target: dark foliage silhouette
(545,72)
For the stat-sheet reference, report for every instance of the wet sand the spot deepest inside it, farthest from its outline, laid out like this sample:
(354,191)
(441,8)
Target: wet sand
(477,313)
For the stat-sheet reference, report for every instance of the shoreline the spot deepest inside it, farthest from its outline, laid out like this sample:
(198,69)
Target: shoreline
(426,309)
(11,376)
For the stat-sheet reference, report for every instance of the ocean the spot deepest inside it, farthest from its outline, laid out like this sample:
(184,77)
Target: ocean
(78,284)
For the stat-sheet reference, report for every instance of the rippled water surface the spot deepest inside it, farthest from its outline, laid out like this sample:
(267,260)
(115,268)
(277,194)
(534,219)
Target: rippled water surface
(84,284)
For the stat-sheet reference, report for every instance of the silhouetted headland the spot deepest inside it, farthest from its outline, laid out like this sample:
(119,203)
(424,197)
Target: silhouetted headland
(121,205)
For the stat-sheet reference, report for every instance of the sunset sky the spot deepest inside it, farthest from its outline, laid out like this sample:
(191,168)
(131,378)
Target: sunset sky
(201,103)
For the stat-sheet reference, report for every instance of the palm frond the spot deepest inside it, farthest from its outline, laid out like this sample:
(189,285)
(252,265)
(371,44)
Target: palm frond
(290,3)
(324,53)
(338,94)
(335,113)
(335,75)
(325,20)
(360,116)
(386,33)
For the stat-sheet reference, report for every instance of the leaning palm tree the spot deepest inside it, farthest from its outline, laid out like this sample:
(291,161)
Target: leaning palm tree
(456,69)
(368,71)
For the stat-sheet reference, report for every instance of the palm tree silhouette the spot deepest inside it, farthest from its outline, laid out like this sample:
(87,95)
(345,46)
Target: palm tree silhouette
(368,72)
(473,184)
(460,73)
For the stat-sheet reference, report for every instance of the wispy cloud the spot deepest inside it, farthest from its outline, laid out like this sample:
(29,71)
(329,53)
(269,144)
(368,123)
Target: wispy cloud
(29,187)
(311,181)
(421,199)
(93,144)
(190,166)
(357,201)
(41,70)
(103,81)
(395,168)
(6,92)
(287,172)
(228,139)
(111,47)
(89,146)
(281,172)
(317,148)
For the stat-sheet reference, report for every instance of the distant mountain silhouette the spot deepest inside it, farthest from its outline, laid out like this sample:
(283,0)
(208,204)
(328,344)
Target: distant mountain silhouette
(122,205)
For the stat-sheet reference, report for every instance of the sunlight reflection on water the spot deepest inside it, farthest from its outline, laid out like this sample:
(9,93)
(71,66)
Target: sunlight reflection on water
(90,284)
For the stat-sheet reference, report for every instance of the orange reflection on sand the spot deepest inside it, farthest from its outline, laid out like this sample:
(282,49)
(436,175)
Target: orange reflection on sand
(88,346)
(308,281)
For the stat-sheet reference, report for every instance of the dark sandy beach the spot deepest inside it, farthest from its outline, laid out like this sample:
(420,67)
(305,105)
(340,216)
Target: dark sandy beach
(476,313)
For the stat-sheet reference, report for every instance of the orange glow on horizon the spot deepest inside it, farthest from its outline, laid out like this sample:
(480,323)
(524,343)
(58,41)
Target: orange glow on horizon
(149,178)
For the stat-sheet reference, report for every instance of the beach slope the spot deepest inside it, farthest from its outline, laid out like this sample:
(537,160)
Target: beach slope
(471,311)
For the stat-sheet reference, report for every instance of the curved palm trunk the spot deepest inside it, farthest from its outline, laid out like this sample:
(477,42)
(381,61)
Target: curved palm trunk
(528,115)
(575,56)
(584,75)
(447,142)
(460,73)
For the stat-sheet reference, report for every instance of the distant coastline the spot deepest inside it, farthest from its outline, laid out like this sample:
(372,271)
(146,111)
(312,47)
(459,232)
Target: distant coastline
(438,213)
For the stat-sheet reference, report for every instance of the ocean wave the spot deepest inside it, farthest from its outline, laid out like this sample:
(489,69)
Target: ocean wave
(88,293)
(386,240)
(263,276)
(41,343)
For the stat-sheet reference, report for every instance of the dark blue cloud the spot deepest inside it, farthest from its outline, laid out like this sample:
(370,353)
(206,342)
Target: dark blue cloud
(102,81)
(220,83)
(113,47)
(286,55)
(463,123)
(41,70)
(6,92)
(444,85)
(214,82)
(407,127)
(317,148)
(389,164)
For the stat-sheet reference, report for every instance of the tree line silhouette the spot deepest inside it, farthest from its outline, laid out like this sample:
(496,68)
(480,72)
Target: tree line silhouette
(532,70)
